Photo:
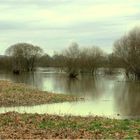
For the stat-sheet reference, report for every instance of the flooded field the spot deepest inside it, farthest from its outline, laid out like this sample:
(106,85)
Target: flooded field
(109,96)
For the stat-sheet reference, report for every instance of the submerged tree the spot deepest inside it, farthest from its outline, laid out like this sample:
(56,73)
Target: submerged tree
(71,56)
(82,60)
(94,56)
(24,56)
(127,49)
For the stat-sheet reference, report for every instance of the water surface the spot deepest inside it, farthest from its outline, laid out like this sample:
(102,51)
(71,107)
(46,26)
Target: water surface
(109,96)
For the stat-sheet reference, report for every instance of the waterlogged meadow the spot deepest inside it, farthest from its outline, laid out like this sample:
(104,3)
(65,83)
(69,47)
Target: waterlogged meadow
(14,125)
(60,89)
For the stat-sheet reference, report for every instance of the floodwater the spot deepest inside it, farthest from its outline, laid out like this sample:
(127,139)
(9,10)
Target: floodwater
(109,96)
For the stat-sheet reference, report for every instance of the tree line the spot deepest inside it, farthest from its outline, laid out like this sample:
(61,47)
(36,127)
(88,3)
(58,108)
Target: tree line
(75,59)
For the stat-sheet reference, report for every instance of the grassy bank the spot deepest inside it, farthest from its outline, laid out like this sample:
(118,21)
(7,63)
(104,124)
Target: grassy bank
(12,94)
(15,126)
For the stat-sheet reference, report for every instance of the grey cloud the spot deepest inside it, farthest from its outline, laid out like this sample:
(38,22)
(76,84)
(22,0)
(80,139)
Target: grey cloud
(56,37)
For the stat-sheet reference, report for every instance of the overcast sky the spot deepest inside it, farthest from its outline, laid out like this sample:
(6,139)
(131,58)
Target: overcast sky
(54,24)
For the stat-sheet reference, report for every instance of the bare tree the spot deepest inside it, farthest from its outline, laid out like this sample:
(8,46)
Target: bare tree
(71,59)
(95,55)
(24,56)
(82,60)
(128,50)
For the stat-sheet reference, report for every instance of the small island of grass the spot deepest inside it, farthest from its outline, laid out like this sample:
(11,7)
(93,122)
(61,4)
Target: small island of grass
(13,94)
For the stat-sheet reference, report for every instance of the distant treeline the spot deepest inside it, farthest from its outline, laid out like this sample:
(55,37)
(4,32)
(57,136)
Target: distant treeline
(74,60)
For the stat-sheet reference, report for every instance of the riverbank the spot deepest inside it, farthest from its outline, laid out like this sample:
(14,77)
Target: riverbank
(35,126)
(12,94)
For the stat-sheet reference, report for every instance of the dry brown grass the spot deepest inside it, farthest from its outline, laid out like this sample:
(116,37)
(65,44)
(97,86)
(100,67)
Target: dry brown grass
(35,126)
(12,94)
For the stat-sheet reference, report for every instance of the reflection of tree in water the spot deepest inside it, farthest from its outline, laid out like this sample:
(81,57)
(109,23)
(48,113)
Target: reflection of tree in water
(31,78)
(81,86)
(84,86)
(127,98)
